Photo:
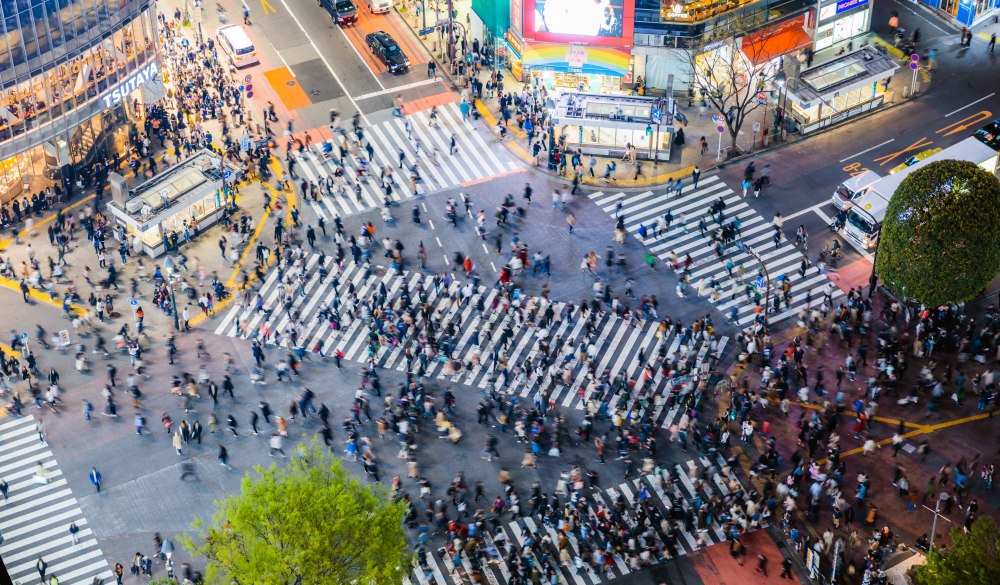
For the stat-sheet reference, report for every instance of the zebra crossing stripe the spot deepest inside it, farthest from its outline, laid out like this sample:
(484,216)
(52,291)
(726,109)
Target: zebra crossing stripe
(616,341)
(474,160)
(38,512)
(682,240)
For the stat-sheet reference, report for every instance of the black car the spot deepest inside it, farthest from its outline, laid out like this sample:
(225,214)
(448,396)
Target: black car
(342,11)
(388,52)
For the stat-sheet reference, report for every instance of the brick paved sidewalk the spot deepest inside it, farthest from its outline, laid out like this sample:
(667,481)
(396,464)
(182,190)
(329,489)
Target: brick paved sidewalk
(956,435)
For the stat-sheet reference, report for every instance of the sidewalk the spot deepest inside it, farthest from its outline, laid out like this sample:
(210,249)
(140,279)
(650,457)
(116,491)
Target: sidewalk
(202,252)
(698,123)
(951,431)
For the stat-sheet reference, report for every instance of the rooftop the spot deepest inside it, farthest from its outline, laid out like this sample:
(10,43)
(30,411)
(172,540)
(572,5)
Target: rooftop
(189,180)
(573,108)
(843,74)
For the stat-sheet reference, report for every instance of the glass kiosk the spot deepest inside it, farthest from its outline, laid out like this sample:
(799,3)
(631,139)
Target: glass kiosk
(169,210)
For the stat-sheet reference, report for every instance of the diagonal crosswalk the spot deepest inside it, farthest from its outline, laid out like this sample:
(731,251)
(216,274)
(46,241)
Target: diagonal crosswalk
(708,273)
(676,499)
(37,514)
(493,347)
(474,159)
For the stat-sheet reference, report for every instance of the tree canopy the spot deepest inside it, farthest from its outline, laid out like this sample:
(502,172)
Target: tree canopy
(940,240)
(973,559)
(309,523)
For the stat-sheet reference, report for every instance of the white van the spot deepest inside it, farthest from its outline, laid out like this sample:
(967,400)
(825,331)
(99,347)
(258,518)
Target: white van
(379,6)
(850,190)
(236,43)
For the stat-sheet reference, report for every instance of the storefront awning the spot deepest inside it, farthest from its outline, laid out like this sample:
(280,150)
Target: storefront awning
(761,48)
(576,59)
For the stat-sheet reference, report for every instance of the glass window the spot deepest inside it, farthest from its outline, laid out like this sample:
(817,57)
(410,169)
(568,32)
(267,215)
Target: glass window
(90,10)
(4,56)
(79,19)
(30,39)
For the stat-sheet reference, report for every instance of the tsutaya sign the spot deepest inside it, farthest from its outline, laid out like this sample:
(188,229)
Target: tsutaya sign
(142,77)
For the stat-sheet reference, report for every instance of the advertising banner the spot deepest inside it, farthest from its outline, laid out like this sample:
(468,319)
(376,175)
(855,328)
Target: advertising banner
(606,23)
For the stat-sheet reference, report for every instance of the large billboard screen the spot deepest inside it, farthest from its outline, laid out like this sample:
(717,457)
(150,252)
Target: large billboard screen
(596,22)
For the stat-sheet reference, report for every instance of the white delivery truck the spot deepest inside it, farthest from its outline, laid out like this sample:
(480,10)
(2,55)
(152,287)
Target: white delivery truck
(864,218)
(851,189)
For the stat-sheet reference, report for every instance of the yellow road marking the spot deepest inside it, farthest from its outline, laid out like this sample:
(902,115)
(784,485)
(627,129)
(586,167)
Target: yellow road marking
(291,200)
(10,350)
(39,295)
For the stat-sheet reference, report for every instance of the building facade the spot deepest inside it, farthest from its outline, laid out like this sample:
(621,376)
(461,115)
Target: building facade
(71,72)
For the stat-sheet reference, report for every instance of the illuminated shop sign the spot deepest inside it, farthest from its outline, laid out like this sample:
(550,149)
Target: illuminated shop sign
(139,79)
(845,5)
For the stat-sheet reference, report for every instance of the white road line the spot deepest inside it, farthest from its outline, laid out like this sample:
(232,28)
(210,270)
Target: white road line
(872,148)
(805,211)
(397,88)
(278,53)
(972,104)
(329,68)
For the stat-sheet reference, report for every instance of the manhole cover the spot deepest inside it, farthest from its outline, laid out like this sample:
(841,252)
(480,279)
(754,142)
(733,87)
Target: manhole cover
(315,92)
(290,83)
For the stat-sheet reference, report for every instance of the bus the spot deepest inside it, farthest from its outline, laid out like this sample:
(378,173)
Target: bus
(864,218)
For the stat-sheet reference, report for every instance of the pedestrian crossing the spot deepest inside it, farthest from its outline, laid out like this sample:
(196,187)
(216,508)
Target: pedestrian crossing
(677,501)
(428,146)
(684,238)
(38,512)
(616,344)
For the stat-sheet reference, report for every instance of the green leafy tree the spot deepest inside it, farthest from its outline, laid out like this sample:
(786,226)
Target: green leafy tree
(940,241)
(309,523)
(973,559)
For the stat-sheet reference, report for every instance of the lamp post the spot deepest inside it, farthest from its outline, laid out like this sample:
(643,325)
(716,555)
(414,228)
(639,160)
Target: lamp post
(173,303)
(763,268)
(873,279)
(779,121)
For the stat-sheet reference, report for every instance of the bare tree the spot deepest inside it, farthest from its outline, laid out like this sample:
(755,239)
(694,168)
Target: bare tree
(729,74)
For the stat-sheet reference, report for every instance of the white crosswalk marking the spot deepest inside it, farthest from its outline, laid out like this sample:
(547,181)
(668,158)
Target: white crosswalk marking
(474,159)
(678,503)
(614,344)
(38,513)
(708,273)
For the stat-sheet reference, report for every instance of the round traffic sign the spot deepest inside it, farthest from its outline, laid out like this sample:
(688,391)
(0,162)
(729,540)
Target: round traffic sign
(249,94)
(227,174)
(721,129)
(133,302)
(247,78)
(914,65)
(24,336)
(249,87)
(241,88)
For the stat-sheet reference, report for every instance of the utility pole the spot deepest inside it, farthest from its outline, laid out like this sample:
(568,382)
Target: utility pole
(767,279)
(451,34)
(937,507)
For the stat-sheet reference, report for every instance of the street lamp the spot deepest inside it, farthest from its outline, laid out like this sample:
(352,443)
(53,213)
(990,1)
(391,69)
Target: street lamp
(173,303)
(763,268)
(781,79)
(873,279)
